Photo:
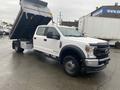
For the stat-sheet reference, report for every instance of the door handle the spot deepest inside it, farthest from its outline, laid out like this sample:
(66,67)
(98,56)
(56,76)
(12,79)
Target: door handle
(45,39)
(35,38)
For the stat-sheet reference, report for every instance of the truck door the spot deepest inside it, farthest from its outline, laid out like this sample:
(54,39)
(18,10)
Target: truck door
(53,45)
(39,37)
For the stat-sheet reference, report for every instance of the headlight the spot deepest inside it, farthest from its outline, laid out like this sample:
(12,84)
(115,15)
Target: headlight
(89,50)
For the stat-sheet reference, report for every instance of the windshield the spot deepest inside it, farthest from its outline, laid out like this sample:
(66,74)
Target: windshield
(70,32)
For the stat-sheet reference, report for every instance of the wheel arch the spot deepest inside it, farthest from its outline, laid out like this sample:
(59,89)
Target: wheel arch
(72,50)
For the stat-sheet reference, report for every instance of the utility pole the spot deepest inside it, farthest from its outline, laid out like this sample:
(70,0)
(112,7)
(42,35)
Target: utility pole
(60,18)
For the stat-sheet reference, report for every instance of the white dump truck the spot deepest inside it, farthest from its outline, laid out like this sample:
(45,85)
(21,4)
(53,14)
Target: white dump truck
(102,28)
(75,52)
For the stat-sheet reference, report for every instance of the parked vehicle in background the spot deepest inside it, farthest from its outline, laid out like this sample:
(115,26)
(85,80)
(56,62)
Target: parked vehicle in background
(102,28)
(1,32)
(6,31)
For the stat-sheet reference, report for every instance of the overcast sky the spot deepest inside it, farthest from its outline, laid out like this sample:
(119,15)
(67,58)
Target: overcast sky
(71,9)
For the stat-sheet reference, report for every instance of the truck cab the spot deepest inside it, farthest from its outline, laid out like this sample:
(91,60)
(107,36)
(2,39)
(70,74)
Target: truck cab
(75,52)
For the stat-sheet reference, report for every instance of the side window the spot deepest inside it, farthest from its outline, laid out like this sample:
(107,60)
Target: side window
(41,31)
(52,29)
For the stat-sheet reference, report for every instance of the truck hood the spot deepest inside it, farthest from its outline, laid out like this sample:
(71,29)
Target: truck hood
(87,40)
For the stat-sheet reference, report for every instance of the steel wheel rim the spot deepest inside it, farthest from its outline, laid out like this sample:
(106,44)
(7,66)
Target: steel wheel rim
(70,66)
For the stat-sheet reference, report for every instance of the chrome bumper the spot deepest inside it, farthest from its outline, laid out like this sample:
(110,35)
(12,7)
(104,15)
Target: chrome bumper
(95,65)
(97,62)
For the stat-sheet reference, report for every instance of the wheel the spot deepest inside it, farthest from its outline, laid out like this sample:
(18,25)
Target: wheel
(71,66)
(117,45)
(17,48)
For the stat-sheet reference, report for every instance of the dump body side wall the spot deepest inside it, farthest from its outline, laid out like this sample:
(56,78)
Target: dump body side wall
(32,14)
(26,25)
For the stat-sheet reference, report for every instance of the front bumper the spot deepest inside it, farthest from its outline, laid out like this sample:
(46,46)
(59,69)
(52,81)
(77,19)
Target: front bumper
(94,69)
(96,65)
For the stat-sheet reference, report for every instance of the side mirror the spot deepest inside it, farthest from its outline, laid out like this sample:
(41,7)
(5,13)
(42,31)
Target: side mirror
(77,28)
(52,36)
(83,34)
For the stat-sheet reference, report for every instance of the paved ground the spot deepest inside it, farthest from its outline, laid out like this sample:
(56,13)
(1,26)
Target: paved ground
(34,71)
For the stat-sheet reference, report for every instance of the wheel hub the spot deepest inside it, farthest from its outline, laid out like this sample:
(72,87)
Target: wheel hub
(70,66)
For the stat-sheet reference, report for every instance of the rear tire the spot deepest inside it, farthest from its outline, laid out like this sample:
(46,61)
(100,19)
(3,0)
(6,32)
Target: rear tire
(16,46)
(18,49)
(71,66)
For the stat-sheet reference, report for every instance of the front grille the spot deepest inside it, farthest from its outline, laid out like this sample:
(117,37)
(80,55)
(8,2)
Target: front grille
(101,51)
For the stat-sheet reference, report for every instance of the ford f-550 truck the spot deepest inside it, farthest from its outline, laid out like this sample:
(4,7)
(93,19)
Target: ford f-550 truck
(75,52)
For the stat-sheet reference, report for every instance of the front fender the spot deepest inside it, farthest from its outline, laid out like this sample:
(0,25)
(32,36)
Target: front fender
(74,48)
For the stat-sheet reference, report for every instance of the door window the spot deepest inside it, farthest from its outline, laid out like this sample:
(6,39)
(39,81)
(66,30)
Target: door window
(53,30)
(41,31)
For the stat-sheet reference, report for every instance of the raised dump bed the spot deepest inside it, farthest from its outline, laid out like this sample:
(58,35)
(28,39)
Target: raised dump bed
(32,14)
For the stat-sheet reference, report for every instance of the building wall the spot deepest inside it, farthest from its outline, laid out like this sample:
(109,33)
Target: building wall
(70,23)
(107,11)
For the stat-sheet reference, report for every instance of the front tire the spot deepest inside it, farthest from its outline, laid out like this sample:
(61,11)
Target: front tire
(71,66)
